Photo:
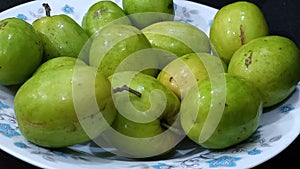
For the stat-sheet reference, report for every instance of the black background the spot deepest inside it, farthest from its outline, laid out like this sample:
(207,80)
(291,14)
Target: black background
(283,19)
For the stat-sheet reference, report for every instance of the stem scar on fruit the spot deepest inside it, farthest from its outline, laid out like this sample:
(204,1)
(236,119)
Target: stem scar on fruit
(126,88)
(47,8)
(171,6)
(248,61)
(98,13)
(242,36)
(171,79)
(3,25)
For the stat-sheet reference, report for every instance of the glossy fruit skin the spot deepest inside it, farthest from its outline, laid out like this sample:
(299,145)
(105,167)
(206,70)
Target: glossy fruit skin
(139,119)
(177,37)
(186,71)
(61,36)
(234,25)
(59,62)
(217,122)
(115,47)
(137,6)
(272,64)
(56,108)
(146,12)
(145,85)
(19,44)
(102,13)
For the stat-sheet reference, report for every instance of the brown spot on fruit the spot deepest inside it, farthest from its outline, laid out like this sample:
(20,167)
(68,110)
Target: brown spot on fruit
(248,61)
(98,13)
(34,123)
(72,128)
(170,6)
(2,25)
(242,35)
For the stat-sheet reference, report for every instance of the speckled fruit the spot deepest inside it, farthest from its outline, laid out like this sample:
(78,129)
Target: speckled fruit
(146,12)
(186,71)
(21,51)
(64,107)
(61,35)
(102,13)
(177,37)
(272,64)
(118,47)
(57,63)
(234,25)
(145,108)
(221,111)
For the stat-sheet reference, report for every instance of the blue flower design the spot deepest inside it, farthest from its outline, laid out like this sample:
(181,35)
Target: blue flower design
(189,21)
(68,9)
(22,16)
(4,106)
(161,166)
(61,154)
(8,131)
(21,145)
(210,23)
(223,161)
(254,152)
(175,6)
(286,108)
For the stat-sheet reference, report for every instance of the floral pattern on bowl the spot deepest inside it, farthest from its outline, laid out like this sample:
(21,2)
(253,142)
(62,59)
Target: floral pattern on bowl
(278,125)
(203,158)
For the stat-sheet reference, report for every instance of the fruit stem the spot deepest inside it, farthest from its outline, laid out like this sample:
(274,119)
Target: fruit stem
(47,9)
(126,88)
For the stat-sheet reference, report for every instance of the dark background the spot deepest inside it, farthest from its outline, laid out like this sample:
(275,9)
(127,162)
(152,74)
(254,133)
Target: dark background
(283,19)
